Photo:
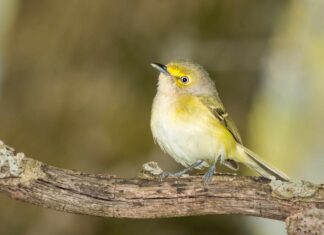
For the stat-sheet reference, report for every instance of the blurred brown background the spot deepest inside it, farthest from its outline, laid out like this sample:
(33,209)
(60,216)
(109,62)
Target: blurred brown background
(76,90)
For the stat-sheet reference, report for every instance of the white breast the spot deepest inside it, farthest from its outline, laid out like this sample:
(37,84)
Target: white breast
(186,141)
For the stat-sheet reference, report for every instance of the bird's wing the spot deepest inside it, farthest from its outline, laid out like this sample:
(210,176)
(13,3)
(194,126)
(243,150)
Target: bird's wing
(215,105)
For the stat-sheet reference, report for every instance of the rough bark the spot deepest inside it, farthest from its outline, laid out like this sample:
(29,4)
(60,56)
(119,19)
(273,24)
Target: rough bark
(310,222)
(71,191)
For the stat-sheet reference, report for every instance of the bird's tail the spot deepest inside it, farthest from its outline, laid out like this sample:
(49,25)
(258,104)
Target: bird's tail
(254,162)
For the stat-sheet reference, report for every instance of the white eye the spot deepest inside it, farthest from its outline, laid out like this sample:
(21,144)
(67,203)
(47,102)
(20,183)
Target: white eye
(184,79)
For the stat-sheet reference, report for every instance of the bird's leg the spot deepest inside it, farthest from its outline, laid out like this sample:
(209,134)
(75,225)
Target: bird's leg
(184,171)
(209,174)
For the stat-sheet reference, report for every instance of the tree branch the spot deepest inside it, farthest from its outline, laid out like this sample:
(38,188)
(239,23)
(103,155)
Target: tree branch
(31,181)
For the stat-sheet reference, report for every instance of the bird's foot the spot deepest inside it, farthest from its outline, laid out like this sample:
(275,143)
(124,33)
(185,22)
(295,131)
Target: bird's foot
(207,178)
(167,174)
(182,172)
(189,168)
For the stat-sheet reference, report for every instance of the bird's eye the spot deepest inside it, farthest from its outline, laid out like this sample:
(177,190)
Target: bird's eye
(184,79)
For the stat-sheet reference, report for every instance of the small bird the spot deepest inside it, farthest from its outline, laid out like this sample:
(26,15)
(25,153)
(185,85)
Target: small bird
(189,122)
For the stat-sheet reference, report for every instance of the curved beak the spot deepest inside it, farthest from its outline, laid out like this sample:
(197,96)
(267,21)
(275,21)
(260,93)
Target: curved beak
(162,68)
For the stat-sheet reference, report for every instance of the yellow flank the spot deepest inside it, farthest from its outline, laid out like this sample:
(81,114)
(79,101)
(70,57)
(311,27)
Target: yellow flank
(189,109)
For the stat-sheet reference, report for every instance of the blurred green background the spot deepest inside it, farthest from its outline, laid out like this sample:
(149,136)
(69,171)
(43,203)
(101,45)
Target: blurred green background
(76,91)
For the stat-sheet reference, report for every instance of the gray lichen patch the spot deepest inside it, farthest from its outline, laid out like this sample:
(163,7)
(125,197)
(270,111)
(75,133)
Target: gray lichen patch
(10,163)
(32,170)
(150,169)
(288,190)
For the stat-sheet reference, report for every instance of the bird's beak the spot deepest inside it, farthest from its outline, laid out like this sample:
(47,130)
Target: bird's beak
(162,68)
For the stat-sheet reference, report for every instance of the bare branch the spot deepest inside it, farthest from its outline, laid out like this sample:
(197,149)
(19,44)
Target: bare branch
(34,182)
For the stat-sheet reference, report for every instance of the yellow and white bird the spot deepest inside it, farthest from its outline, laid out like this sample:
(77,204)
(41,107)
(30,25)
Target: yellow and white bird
(189,122)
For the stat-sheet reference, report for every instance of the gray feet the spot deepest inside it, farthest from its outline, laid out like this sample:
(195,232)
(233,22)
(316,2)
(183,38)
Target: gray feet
(184,171)
(166,174)
(188,169)
(206,178)
(209,175)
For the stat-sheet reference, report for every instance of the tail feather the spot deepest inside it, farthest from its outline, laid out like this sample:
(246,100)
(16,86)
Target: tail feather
(253,161)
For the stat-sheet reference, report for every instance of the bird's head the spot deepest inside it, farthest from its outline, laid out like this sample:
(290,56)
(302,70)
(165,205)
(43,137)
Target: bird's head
(184,77)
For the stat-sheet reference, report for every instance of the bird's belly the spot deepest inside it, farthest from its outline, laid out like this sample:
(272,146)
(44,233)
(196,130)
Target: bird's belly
(187,140)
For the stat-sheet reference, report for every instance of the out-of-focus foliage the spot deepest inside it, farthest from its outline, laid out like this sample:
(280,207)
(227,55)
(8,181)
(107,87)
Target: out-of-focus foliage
(78,88)
(7,15)
(287,120)
(286,123)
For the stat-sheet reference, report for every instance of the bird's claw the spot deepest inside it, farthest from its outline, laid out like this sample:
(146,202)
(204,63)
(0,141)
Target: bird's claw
(165,175)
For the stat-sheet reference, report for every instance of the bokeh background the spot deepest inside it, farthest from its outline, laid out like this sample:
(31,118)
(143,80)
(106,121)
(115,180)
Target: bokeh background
(76,91)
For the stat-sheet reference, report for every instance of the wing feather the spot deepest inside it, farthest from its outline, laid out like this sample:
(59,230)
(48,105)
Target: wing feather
(215,105)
